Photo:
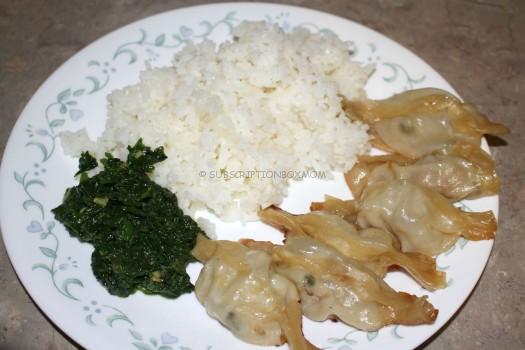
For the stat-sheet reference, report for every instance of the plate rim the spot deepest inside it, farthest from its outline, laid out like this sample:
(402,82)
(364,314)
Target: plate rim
(78,339)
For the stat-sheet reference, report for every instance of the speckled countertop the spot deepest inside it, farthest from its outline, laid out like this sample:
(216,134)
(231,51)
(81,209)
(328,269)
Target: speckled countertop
(477,45)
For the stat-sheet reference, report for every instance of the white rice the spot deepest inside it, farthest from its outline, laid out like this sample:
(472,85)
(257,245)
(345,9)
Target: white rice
(267,101)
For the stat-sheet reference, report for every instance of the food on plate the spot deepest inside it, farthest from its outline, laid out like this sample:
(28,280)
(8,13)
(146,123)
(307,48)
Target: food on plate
(266,101)
(332,285)
(418,122)
(346,209)
(422,219)
(463,171)
(275,101)
(342,208)
(252,288)
(373,248)
(239,287)
(435,159)
(142,239)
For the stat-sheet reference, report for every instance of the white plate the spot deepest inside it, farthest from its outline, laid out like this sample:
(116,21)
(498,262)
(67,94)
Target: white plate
(55,269)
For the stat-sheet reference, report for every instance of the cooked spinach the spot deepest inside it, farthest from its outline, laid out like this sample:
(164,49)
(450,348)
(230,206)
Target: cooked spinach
(141,237)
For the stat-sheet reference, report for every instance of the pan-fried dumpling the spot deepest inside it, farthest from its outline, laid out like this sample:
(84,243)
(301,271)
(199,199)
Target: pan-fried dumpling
(373,247)
(345,209)
(238,287)
(421,121)
(464,171)
(332,285)
(423,220)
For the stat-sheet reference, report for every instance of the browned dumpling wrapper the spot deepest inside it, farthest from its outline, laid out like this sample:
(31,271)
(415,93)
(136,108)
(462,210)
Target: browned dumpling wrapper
(239,287)
(422,219)
(421,121)
(372,247)
(333,286)
(463,171)
(345,209)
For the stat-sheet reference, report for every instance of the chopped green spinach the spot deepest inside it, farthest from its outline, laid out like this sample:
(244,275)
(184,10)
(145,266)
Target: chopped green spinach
(141,237)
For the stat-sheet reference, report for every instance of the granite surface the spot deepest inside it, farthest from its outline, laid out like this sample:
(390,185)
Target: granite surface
(478,46)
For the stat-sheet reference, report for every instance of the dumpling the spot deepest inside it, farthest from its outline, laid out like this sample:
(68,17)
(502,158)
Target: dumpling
(238,287)
(345,209)
(332,285)
(373,247)
(423,220)
(463,171)
(421,121)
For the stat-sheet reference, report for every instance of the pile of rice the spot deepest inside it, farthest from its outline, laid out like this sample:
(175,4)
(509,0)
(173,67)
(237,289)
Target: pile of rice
(268,100)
